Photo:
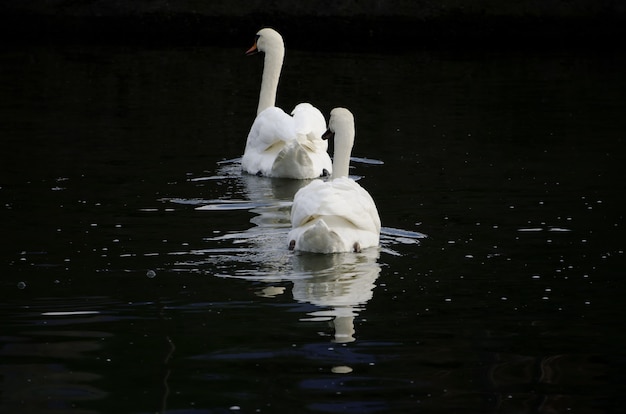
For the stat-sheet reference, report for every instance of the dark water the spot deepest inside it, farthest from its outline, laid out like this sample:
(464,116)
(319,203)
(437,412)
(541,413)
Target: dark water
(141,272)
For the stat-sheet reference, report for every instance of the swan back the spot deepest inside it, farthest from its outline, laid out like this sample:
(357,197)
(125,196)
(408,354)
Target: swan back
(279,145)
(333,216)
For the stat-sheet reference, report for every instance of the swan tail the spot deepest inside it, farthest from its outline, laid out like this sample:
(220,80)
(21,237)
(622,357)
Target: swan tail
(293,161)
(316,238)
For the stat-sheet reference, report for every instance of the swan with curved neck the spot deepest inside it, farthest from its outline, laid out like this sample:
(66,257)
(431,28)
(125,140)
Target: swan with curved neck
(280,145)
(337,215)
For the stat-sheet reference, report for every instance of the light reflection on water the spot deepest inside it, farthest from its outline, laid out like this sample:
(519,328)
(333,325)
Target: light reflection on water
(261,250)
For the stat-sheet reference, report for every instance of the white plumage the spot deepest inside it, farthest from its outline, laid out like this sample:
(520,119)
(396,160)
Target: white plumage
(337,215)
(280,145)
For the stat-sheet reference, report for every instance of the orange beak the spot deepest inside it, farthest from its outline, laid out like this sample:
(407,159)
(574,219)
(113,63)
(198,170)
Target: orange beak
(252,50)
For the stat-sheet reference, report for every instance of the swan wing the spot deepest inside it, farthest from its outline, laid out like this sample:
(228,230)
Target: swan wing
(309,122)
(271,131)
(270,126)
(310,125)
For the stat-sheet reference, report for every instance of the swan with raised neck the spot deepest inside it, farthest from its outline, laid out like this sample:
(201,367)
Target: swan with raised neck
(337,215)
(280,144)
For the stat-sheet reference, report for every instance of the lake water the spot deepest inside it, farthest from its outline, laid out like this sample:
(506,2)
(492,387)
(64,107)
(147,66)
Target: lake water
(141,271)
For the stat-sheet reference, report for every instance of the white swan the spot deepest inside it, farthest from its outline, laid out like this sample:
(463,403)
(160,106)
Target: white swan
(280,145)
(337,215)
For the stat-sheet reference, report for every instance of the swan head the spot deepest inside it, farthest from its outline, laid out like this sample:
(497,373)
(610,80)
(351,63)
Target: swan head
(267,41)
(341,123)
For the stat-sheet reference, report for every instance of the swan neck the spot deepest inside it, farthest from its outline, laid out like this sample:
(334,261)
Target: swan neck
(271,73)
(341,157)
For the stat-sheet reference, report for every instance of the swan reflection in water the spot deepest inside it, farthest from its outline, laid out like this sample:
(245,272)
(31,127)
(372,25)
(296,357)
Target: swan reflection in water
(262,247)
(339,284)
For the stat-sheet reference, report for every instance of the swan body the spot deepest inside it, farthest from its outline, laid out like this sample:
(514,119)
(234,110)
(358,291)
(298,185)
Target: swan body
(337,215)
(279,144)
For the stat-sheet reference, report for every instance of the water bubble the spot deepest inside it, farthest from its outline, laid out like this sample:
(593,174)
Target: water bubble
(151,273)
(21,285)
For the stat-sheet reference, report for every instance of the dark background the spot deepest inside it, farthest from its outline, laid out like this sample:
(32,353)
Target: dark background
(348,24)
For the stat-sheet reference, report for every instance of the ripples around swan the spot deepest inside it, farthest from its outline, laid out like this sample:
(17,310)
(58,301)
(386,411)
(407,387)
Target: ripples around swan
(261,250)
(339,284)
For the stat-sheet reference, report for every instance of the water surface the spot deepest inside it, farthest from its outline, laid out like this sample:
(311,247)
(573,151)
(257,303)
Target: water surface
(142,272)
